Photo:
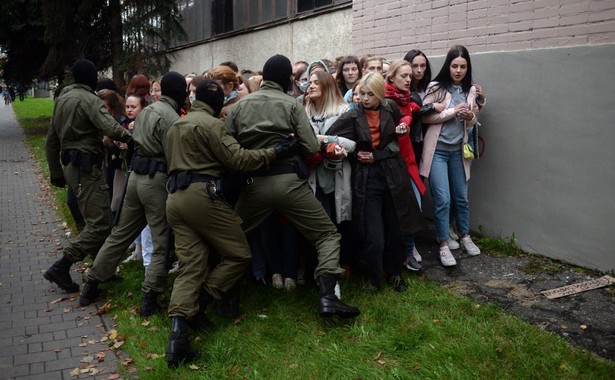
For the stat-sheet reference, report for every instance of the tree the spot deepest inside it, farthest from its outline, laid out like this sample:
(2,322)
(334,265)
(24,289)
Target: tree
(21,40)
(130,36)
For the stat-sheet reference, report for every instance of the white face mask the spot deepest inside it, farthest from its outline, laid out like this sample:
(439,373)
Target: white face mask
(192,97)
(303,86)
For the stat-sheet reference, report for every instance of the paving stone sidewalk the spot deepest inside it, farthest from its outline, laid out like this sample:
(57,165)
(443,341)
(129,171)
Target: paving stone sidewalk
(44,333)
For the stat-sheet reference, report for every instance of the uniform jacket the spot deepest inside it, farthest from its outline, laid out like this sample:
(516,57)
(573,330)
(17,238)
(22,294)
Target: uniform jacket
(79,122)
(436,120)
(353,125)
(265,117)
(201,144)
(151,127)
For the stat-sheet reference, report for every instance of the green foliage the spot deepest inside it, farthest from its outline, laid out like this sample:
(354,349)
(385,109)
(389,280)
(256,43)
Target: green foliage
(496,245)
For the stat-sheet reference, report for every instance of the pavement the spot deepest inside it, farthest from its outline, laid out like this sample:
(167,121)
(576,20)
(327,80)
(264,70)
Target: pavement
(44,333)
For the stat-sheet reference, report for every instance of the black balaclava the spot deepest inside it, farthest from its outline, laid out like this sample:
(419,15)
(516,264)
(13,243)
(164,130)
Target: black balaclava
(278,69)
(173,85)
(209,92)
(84,72)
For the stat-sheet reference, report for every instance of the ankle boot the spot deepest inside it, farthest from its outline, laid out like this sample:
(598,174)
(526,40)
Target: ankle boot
(149,306)
(179,349)
(200,322)
(89,293)
(229,304)
(59,273)
(329,303)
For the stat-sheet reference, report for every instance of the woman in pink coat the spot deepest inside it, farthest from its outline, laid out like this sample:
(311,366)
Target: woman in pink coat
(443,162)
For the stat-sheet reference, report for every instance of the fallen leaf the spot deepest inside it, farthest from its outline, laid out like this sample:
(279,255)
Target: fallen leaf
(148,369)
(92,342)
(378,356)
(145,323)
(128,361)
(382,362)
(57,350)
(143,344)
(153,328)
(104,339)
(100,357)
(67,310)
(87,359)
(57,300)
(583,327)
(83,344)
(112,334)
(113,376)
(48,309)
(75,372)
(118,344)
(104,309)
(193,366)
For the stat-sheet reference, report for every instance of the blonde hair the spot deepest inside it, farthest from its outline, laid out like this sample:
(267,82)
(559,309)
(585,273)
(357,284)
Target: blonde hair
(331,100)
(375,82)
(394,68)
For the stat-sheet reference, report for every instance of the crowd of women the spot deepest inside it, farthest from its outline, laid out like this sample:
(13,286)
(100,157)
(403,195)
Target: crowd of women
(387,129)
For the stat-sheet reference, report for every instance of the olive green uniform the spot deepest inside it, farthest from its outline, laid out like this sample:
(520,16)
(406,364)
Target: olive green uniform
(199,151)
(145,199)
(260,120)
(74,140)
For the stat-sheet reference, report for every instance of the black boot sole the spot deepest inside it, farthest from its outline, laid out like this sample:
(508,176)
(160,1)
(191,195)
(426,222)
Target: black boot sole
(174,360)
(72,288)
(331,312)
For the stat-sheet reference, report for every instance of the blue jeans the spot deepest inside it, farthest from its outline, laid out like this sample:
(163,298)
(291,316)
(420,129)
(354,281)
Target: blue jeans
(448,183)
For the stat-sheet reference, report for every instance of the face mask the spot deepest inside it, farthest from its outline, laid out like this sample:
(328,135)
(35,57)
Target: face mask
(303,86)
(192,97)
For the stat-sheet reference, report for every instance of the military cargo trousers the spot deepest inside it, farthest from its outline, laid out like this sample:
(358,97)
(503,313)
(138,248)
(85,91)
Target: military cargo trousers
(92,194)
(292,197)
(202,221)
(144,203)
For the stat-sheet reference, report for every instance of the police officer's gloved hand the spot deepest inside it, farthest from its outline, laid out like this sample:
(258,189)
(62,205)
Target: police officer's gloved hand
(287,147)
(58,182)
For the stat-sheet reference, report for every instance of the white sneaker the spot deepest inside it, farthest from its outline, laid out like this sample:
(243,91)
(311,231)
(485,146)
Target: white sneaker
(446,257)
(453,244)
(468,246)
(452,234)
(417,255)
(289,284)
(174,267)
(135,256)
(276,281)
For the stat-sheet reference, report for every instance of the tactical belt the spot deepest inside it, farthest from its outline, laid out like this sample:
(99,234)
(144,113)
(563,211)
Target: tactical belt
(275,170)
(147,165)
(182,180)
(83,160)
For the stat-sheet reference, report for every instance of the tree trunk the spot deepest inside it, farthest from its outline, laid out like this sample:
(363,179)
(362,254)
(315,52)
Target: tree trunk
(115,11)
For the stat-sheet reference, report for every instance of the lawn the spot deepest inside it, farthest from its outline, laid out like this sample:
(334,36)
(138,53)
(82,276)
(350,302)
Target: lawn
(426,332)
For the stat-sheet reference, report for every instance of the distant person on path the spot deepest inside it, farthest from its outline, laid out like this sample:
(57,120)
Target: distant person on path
(74,152)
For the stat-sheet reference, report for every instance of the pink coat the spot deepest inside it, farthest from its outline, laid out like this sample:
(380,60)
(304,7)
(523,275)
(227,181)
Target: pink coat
(435,121)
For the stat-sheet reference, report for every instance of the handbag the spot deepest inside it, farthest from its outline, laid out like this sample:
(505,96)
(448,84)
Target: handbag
(471,148)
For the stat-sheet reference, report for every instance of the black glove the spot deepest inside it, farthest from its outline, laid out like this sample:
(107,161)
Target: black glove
(58,182)
(287,147)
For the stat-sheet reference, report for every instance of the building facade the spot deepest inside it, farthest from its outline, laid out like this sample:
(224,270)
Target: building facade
(547,69)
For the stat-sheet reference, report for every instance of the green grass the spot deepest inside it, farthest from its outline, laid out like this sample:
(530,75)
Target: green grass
(424,333)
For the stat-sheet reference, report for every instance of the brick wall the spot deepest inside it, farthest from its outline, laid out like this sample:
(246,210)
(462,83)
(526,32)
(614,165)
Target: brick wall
(391,27)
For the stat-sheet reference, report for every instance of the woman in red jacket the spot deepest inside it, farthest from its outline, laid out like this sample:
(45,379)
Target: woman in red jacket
(397,88)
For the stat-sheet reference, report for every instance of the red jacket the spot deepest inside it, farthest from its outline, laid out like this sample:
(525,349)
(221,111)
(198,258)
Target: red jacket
(407,106)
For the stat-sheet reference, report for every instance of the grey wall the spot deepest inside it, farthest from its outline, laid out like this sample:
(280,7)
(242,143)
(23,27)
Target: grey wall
(548,173)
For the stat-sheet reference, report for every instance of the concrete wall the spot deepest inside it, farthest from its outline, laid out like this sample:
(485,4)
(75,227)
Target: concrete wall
(547,68)
(325,36)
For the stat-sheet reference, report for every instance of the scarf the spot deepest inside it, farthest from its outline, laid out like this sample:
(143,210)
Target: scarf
(401,98)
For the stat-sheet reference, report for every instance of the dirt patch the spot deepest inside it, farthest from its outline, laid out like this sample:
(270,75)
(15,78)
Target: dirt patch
(584,319)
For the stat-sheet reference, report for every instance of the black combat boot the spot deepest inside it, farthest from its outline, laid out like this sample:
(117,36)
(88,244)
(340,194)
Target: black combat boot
(89,293)
(149,306)
(229,304)
(200,322)
(329,303)
(59,273)
(179,349)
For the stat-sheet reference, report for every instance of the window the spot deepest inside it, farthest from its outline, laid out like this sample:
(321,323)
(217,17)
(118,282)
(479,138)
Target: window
(308,5)
(203,19)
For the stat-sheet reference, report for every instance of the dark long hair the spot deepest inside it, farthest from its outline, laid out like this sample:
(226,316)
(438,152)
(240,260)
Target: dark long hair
(422,84)
(444,76)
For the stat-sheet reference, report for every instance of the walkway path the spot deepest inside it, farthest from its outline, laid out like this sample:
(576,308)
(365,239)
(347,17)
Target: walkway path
(44,333)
